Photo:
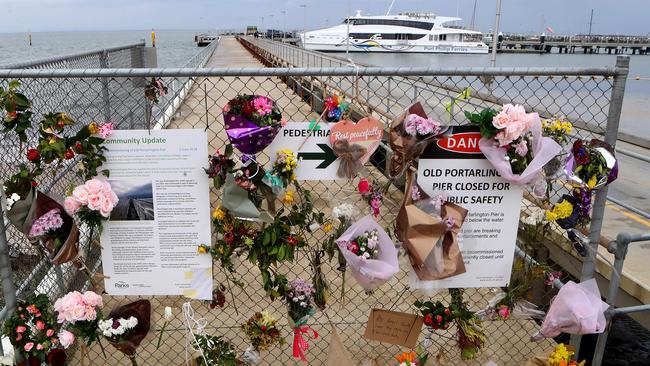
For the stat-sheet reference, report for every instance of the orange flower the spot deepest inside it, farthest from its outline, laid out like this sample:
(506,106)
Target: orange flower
(406,357)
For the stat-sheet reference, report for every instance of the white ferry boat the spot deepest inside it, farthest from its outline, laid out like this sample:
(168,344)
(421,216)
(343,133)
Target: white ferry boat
(405,32)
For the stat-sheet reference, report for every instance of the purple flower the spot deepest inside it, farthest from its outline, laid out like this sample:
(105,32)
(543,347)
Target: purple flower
(49,222)
(415,193)
(439,200)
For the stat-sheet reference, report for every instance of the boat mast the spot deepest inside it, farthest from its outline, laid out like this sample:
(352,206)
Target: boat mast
(390,7)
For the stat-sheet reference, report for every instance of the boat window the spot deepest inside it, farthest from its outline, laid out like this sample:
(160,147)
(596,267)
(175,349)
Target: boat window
(399,36)
(430,37)
(395,22)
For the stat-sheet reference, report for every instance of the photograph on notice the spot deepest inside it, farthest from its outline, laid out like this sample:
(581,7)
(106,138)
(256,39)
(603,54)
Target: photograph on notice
(136,201)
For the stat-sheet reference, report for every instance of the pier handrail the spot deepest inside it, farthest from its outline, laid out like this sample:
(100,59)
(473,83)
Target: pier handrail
(43,62)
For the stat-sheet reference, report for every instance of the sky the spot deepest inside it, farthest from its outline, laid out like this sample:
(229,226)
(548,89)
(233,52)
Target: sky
(528,16)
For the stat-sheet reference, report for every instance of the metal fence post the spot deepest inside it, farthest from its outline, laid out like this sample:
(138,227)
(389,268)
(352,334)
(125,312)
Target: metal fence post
(8,286)
(103,62)
(598,209)
(619,248)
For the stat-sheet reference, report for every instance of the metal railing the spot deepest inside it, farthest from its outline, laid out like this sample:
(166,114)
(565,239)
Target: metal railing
(299,91)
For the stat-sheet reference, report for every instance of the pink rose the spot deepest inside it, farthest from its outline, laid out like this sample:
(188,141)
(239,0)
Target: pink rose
(80,193)
(501,120)
(106,129)
(32,309)
(28,347)
(21,329)
(78,312)
(49,333)
(114,199)
(92,299)
(94,186)
(504,312)
(91,314)
(66,338)
(71,205)
(226,108)
(94,201)
(106,207)
(40,325)
(39,347)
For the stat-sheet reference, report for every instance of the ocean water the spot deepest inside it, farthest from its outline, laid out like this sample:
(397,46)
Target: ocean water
(176,47)
(635,117)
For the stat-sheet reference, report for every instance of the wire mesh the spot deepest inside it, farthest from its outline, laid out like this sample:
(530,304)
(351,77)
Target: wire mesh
(581,98)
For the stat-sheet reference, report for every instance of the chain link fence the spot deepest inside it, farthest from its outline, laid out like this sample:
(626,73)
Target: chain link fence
(582,95)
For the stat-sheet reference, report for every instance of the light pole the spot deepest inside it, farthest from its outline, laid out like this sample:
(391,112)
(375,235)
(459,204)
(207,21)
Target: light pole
(272,30)
(284,24)
(304,17)
(262,23)
(495,36)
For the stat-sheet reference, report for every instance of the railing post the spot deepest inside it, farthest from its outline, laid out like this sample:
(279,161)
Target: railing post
(619,248)
(103,62)
(8,286)
(598,210)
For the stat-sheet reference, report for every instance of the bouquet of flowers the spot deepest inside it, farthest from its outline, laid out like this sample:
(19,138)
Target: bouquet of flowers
(79,314)
(570,212)
(412,358)
(591,166)
(559,130)
(154,90)
(92,202)
(251,121)
(299,297)
(371,193)
(214,350)
(512,140)
(32,331)
(335,108)
(262,331)
(369,273)
(410,133)
(133,322)
(283,173)
(576,309)
(561,355)
(220,166)
(436,315)
(364,245)
(471,336)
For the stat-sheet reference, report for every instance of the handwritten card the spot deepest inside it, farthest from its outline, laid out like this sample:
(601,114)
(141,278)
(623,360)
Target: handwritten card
(393,327)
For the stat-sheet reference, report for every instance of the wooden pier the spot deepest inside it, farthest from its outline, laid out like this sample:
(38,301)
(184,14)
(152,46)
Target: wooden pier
(611,45)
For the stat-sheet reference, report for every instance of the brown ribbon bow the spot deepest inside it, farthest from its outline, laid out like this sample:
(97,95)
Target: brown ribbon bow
(350,156)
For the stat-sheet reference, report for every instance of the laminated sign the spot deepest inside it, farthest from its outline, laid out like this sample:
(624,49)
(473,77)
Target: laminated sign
(455,167)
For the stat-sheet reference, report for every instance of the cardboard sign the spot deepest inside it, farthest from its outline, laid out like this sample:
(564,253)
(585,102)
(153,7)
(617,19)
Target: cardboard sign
(317,159)
(393,327)
(367,133)
(454,166)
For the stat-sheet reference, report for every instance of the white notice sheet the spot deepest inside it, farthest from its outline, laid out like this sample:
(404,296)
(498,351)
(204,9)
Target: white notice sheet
(149,245)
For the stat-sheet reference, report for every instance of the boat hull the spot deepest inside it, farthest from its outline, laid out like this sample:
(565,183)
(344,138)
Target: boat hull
(374,46)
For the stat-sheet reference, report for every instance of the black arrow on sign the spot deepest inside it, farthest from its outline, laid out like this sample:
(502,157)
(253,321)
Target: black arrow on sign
(327,156)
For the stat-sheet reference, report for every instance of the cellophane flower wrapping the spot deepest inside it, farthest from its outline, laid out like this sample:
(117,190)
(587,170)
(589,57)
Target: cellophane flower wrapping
(576,309)
(584,153)
(544,150)
(370,273)
(244,133)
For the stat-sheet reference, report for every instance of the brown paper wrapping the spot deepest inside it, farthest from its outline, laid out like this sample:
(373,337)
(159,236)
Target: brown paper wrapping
(36,204)
(337,354)
(140,309)
(419,232)
(406,148)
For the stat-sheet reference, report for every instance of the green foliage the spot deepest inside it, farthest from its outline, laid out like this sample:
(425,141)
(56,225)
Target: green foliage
(483,119)
(217,351)
(17,116)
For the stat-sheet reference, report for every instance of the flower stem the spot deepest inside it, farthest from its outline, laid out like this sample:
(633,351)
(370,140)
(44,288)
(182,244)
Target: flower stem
(102,347)
(162,330)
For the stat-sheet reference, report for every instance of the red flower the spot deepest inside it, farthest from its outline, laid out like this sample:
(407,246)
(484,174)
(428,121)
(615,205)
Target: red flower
(34,184)
(353,247)
(447,311)
(229,237)
(428,319)
(78,147)
(291,240)
(69,154)
(248,109)
(263,328)
(438,319)
(33,155)
(364,186)
(446,326)
(274,333)
(12,115)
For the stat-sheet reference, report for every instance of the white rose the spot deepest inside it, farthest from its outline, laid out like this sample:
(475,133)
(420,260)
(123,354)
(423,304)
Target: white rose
(168,313)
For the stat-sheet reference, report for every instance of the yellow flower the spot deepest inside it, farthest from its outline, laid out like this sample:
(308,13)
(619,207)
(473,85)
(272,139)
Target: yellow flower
(203,249)
(592,181)
(93,128)
(293,177)
(52,140)
(561,210)
(227,227)
(288,198)
(327,227)
(267,319)
(218,214)
(561,355)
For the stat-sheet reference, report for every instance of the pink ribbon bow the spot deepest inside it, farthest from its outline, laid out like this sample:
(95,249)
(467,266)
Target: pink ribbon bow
(300,344)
